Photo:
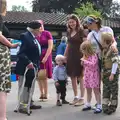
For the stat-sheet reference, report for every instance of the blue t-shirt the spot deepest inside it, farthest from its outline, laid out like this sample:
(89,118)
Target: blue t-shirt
(61,48)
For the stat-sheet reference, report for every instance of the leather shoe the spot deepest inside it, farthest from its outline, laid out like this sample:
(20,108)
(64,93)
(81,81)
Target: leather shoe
(34,107)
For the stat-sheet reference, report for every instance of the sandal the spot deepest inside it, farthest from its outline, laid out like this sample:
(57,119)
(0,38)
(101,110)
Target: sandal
(86,108)
(41,97)
(97,110)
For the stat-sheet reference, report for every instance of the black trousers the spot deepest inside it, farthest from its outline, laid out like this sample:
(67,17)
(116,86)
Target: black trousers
(61,89)
(29,78)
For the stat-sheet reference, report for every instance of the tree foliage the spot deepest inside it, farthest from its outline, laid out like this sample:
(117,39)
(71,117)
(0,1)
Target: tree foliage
(114,10)
(68,7)
(108,8)
(18,8)
(87,9)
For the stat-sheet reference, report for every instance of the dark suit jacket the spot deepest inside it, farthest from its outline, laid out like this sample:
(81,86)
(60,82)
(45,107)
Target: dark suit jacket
(29,52)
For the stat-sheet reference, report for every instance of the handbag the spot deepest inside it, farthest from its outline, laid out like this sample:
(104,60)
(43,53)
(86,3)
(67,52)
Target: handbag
(42,74)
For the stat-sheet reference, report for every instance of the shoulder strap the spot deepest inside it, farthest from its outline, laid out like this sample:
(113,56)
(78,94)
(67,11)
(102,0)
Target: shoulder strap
(100,46)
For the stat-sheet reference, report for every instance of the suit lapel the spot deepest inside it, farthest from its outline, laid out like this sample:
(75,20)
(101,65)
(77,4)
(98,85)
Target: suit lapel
(32,40)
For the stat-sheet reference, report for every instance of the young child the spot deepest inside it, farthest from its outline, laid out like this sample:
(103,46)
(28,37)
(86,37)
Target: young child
(110,75)
(91,76)
(60,78)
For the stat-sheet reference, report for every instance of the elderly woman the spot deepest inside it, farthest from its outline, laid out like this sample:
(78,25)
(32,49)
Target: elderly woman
(46,41)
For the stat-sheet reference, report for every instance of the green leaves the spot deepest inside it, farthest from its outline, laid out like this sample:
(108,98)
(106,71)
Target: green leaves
(87,9)
(18,8)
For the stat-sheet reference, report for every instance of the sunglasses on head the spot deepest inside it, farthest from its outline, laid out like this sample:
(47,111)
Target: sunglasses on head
(89,20)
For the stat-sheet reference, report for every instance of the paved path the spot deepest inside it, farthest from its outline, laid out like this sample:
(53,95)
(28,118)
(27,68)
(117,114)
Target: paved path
(50,111)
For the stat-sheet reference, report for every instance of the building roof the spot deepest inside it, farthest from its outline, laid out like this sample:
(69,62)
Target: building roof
(26,17)
(48,18)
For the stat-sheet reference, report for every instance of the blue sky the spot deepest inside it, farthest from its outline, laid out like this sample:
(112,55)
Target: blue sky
(25,3)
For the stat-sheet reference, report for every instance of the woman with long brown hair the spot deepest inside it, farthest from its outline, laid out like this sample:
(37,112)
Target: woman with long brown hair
(73,56)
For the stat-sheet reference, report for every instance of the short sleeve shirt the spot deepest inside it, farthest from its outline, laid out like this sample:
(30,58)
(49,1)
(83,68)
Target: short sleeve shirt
(98,37)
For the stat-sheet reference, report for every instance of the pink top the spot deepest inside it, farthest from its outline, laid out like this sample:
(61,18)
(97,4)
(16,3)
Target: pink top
(43,40)
(91,72)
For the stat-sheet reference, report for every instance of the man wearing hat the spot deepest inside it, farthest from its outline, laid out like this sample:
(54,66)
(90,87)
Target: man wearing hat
(28,57)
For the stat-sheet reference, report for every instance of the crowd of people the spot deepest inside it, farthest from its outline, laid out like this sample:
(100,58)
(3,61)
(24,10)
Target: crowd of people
(89,56)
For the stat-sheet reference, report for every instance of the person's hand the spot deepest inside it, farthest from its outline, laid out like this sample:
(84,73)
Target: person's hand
(57,84)
(111,77)
(30,66)
(14,45)
(114,48)
(82,62)
(82,59)
(65,59)
(44,60)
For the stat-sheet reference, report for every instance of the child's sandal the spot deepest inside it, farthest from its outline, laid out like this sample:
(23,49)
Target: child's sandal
(86,108)
(97,110)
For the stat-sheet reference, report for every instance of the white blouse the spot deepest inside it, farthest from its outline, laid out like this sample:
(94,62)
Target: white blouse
(98,37)
(96,46)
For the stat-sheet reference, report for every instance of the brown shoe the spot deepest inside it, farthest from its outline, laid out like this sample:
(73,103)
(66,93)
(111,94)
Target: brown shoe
(45,97)
(41,97)
(74,101)
(79,103)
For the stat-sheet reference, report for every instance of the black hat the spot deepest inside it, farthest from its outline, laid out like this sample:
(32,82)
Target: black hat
(34,25)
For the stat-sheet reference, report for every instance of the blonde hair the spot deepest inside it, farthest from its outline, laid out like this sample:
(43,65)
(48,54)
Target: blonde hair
(64,38)
(106,38)
(59,57)
(86,48)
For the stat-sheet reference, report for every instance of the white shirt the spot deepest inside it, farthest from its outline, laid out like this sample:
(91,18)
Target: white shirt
(96,46)
(98,37)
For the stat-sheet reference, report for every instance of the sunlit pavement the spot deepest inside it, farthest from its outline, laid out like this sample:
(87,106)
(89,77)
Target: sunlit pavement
(49,109)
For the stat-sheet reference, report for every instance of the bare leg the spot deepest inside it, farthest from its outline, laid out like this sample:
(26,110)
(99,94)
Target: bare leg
(82,89)
(89,95)
(74,85)
(87,105)
(40,83)
(45,87)
(98,99)
(97,95)
(3,97)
